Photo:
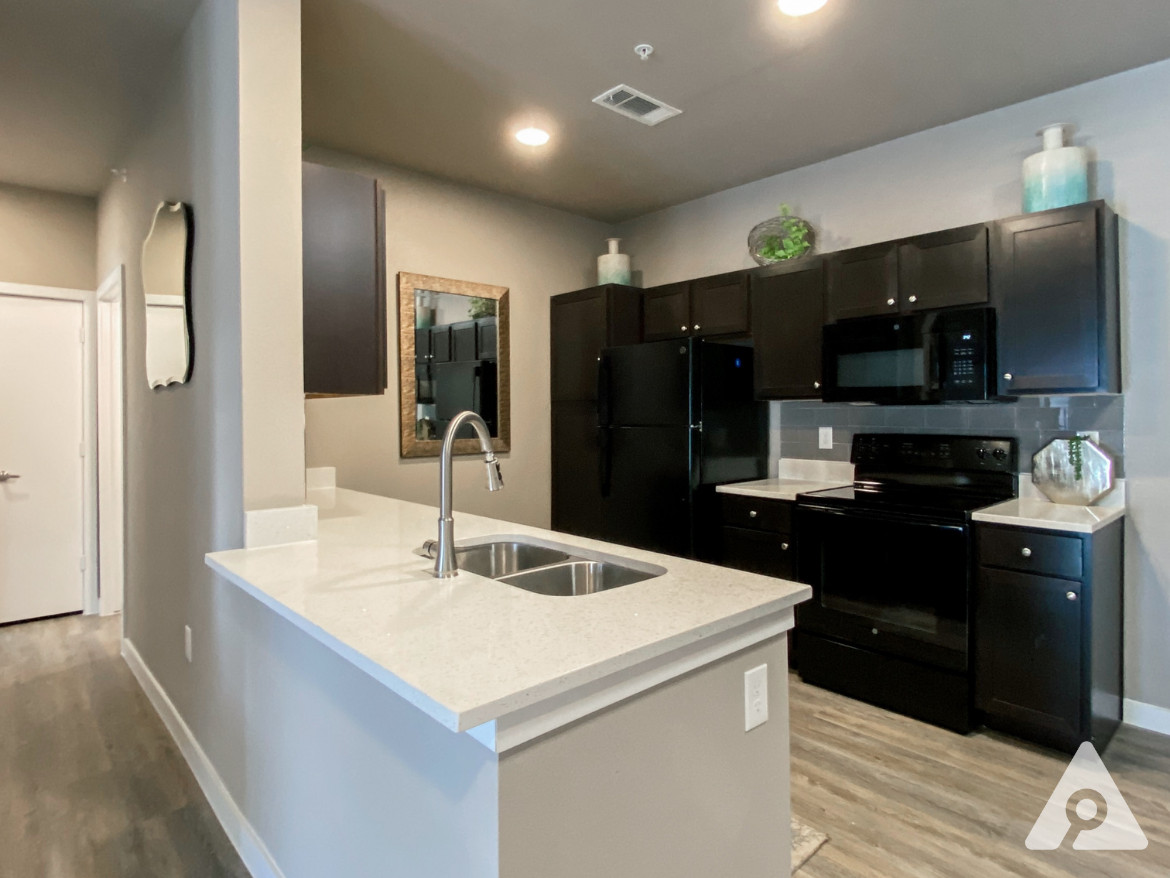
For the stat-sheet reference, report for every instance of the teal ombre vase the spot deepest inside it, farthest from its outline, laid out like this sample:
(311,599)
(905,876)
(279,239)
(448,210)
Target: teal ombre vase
(1058,175)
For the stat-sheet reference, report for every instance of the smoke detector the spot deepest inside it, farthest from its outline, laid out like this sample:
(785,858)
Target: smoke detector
(635,104)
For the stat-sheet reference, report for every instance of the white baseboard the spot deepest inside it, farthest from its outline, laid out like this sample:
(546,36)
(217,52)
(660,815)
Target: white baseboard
(1146,716)
(247,843)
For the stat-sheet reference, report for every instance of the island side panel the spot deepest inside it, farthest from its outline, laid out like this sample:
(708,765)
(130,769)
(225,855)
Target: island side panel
(663,785)
(337,775)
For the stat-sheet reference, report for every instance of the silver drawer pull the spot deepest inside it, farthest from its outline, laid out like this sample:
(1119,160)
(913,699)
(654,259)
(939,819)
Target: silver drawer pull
(784,547)
(697,327)
(6,476)
(752,513)
(816,385)
(1071,595)
(1007,376)
(1026,552)
(913,299)
(891,301)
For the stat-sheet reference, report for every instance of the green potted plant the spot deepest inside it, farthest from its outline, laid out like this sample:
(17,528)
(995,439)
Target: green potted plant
(781,238)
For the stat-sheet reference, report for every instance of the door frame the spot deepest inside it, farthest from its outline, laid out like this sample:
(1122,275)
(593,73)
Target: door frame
(90,602)
(109,363)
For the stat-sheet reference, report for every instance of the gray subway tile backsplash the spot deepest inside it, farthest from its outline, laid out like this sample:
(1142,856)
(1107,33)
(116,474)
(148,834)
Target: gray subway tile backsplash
(1034,421)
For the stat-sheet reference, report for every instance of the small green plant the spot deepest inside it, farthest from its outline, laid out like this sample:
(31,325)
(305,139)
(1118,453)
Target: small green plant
(481,307)
(791,243)
(1076,455)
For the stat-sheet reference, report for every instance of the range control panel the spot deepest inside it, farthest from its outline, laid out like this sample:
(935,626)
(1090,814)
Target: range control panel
(915,451)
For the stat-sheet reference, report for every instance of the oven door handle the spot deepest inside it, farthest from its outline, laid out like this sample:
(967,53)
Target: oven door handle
(882,516)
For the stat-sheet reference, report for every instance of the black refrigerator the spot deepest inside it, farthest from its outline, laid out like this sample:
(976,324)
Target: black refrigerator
(672,420)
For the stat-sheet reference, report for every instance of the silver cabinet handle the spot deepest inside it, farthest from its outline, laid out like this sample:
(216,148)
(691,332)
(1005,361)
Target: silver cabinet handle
(816,385)
(891,301)
(752,513)
(6,476)
(1026,552)
(1007,376)
(784,547)
(683,328)
(913,299)
(697,327)
(1071,595)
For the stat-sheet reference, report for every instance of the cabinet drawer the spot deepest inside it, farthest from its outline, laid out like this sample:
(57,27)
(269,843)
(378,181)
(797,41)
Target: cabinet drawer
(1031,552)
(757,552)
(770,515)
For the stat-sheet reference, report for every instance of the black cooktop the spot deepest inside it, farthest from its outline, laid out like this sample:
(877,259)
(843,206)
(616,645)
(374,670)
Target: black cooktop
(931,476)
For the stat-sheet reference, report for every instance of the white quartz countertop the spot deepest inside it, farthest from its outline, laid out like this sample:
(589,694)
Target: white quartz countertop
(780,489)
(1031,512)
(469,650)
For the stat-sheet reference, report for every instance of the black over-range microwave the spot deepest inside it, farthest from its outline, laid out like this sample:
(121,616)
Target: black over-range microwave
(928,357)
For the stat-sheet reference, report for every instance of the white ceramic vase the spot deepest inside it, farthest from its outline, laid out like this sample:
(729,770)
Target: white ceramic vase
(1058,175)
(613,267)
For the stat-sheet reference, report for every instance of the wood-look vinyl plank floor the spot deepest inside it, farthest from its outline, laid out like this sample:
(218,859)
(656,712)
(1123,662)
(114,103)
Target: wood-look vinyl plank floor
(902,798)
(91,783)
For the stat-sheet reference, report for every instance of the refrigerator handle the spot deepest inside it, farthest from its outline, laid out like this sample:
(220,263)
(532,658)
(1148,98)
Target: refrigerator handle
(604,403)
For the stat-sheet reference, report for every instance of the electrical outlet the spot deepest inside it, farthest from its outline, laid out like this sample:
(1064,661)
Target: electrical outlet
(826,437)
(755,697)
(187,642)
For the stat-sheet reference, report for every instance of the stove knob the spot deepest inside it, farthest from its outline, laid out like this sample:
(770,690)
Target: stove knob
(981,453)
(1000,454)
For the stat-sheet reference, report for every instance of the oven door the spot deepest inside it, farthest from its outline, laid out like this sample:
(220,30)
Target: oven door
(893,583)
(879,359)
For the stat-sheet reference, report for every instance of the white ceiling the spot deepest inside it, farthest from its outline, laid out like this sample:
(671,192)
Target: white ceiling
(438,86)
(74,74)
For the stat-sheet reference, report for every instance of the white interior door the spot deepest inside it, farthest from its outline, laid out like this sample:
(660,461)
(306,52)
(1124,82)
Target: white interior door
(42,503)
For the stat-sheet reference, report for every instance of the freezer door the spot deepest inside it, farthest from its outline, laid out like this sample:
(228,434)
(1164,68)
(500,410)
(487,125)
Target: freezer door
(648,384)
(733,444)
(648,503)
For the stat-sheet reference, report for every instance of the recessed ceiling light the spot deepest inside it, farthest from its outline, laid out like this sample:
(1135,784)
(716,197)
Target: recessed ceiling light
(800,7)
(532,136)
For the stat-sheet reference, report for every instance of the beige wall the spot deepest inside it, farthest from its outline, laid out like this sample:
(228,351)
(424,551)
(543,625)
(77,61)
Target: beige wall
(968,172)
(454,231)
(199,454)
(47,238)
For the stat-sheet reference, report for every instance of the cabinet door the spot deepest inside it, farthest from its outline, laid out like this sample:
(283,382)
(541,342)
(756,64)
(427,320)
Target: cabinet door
(578,334)
(422,346)
(487,338)
(344,290)
(666,311)
(719,305)
(862,282)
(944,269)
(1028,654)
(1047,290)
(577,505)
(463,341)
(441,344)
(788,316)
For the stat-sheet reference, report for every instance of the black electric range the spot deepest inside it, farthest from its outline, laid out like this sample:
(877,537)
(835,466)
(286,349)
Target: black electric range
(889,560)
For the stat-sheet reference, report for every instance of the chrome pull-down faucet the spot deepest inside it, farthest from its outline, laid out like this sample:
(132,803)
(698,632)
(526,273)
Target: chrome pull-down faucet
(445,563)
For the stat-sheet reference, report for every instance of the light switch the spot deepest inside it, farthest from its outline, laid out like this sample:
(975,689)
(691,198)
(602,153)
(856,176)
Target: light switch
(755,697)
(826,437)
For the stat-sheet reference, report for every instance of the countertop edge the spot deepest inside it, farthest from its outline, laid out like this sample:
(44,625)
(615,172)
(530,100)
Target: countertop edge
(992,516)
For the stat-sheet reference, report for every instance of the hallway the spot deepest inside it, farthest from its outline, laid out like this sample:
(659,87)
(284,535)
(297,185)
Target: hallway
(91,783)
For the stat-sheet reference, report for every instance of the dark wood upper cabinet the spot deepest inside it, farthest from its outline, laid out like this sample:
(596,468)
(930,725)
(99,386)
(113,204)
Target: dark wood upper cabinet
(464,341)
(583,323)
(719,304)
(344,283)
(862,282)
(788,314)
(487,338)
(716,305)
(441,344)
(1054,285)
(943,269)
(666,311)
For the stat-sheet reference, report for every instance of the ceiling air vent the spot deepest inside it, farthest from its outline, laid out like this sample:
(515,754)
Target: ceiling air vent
(633,103)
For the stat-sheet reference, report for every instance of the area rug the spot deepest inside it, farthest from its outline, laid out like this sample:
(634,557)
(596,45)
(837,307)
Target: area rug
(806,841)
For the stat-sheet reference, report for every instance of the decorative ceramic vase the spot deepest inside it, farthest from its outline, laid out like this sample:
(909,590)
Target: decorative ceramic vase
(1058,175)
(767,238)
(1076,471)
(613,267)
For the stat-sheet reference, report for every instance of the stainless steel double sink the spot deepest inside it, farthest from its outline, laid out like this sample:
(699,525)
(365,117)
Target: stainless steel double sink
(548,568)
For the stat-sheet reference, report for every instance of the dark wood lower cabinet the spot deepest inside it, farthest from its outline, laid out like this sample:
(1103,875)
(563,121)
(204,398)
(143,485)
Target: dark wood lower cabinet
(755,534)
(1047,642)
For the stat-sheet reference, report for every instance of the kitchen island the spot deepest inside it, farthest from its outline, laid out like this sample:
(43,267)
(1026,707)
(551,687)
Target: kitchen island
(530,735)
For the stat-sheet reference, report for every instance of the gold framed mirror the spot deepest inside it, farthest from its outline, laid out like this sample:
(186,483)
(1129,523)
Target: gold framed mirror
(452,356)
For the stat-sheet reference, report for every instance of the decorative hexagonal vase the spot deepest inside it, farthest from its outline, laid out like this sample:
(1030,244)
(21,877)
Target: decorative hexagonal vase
(1055,471)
